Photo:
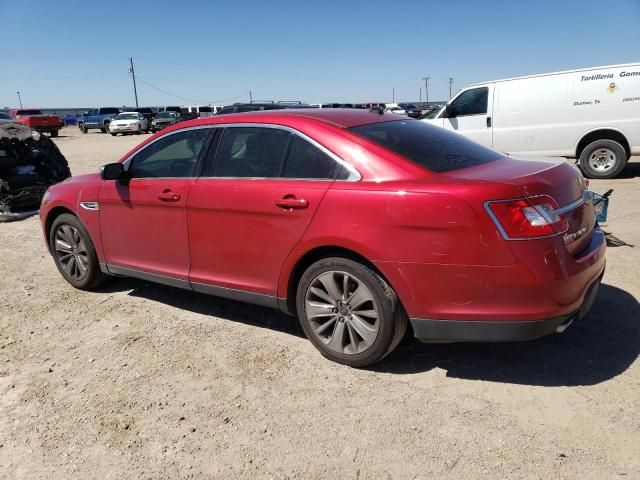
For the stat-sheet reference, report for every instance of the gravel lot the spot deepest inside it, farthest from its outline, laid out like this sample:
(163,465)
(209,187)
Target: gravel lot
(142,381)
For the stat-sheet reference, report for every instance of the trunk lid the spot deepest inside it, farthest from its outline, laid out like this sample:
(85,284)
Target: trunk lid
(544,176)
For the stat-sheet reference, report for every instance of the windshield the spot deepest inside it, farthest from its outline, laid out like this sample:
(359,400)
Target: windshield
(431,147)
(4,116)
(166,115)
(431,115)
(127,116)
(28,112)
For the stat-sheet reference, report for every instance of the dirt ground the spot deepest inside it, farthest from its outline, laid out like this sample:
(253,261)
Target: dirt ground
(142,381)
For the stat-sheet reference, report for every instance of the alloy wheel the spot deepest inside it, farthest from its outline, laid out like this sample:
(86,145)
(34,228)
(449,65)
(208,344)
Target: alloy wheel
(342,312)
(71,252)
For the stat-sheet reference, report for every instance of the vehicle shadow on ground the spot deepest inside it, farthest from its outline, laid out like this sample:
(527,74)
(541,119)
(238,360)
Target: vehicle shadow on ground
(597,348)
(207,305)
(632,170)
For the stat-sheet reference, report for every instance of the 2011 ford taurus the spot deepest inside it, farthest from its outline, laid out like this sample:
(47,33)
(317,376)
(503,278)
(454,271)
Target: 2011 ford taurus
(363,224)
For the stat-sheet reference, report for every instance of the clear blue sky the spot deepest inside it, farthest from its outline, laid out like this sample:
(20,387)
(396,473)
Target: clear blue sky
(75,53)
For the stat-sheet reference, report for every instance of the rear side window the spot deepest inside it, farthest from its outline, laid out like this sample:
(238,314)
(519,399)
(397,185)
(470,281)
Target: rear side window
(307,161)
(431,147)
(109,111)
(251,152)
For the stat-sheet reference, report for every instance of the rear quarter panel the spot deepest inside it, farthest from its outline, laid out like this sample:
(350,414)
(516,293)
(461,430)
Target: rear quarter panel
(398,223)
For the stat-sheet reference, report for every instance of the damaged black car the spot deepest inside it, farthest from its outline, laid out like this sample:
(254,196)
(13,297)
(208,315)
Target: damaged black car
(29,164)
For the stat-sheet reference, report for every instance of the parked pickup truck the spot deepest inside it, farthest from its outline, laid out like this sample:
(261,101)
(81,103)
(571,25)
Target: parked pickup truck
(99,118)
(36,120)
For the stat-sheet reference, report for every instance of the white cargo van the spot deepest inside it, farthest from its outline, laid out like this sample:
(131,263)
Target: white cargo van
(591,114)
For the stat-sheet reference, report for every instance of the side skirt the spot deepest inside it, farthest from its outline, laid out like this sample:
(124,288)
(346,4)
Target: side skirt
(216,291)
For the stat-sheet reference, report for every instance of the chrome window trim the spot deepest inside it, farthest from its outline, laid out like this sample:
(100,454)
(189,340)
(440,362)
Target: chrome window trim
(126,161)
(354,175)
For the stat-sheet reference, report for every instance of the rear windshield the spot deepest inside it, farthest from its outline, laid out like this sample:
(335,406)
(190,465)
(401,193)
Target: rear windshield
(205,109)
(431,147)
(28,112)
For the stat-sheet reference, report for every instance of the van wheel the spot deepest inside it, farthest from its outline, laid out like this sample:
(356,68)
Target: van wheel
(603,159)
(350,313)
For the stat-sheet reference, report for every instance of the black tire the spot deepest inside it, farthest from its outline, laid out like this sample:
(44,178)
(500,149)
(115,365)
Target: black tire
(391,316)
(92,276)
(105,129)
(113,134)
(614,159)
(54,133)
(139,131)
(82,127)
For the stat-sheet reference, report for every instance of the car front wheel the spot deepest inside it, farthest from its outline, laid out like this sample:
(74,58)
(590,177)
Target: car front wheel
(349,312)
(74,253)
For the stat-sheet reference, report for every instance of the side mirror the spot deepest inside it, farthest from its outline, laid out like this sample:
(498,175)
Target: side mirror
(448,110)
(112,171)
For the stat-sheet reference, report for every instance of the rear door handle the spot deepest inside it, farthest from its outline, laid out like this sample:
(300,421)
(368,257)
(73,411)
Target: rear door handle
(169,196)
(291,203)
(488,122)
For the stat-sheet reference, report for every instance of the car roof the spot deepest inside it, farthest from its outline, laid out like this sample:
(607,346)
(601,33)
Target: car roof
(342,118)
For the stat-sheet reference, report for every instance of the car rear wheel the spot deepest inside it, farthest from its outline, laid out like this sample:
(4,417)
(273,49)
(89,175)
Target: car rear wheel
(349,312)
(82,127)
(105,129)
(139,131)
(603,159)
(74,253)
(54,133)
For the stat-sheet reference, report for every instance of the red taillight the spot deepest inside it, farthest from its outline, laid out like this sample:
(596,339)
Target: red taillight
(532,217)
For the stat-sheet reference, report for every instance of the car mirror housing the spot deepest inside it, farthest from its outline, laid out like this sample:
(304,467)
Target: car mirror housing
(448,110)
(112,171)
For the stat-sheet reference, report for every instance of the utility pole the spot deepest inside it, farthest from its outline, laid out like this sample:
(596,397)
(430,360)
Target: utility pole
(450,85)
(426,87)
(250,97)
(393,95)
(420,94)
(133,75)
(19,99)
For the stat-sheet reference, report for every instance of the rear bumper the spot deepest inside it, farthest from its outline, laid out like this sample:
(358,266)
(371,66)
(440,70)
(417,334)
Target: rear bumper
(500,331)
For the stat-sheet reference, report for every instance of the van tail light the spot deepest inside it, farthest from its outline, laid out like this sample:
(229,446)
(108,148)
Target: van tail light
(527,218)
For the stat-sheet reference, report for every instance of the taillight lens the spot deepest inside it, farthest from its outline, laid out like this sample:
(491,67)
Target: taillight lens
(532,217)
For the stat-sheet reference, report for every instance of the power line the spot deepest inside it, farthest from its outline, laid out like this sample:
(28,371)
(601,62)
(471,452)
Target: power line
(188,99)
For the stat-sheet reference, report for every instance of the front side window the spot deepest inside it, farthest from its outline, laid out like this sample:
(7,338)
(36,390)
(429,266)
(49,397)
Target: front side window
(251,152)
(174,155)
(431,147)
(471,102)
(307,161)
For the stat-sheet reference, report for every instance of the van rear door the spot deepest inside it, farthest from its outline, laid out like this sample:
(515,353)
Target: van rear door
(470,114)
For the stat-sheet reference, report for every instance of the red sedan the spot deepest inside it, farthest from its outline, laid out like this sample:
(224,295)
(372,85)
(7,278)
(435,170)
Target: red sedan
(362,224)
